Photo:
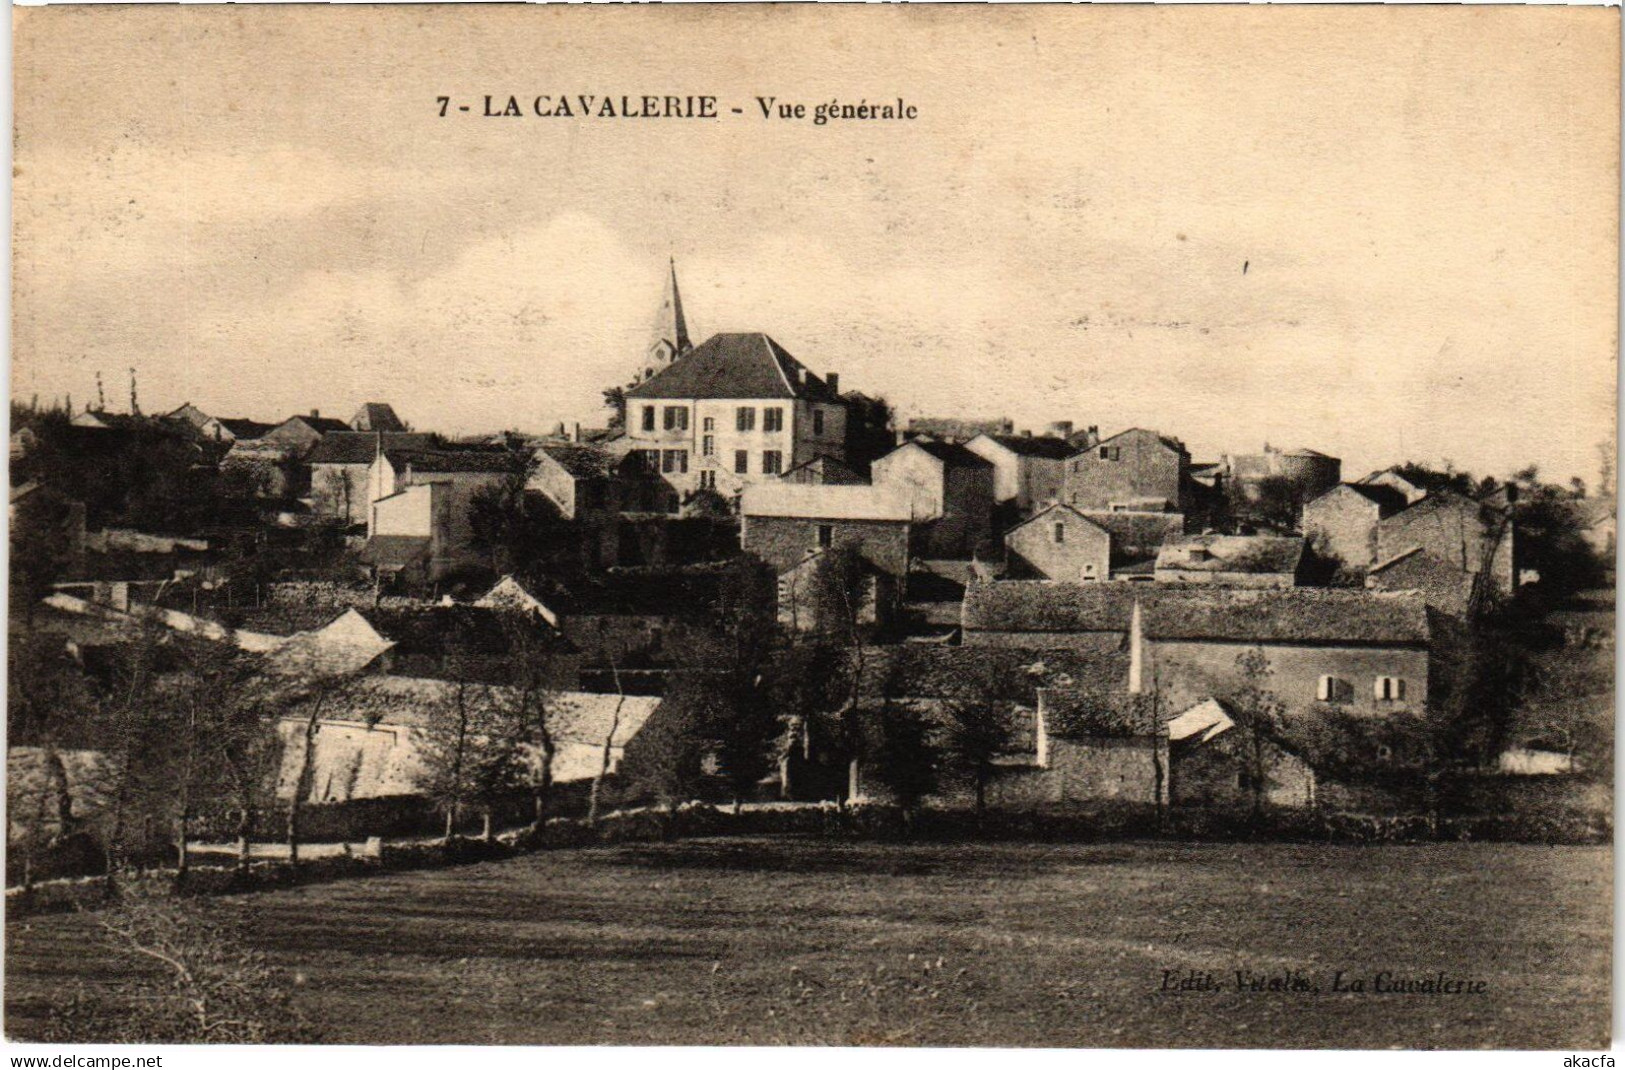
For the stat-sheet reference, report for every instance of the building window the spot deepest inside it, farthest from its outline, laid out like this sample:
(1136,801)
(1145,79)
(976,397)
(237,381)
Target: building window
(826,535)
(818,421)
(1389,689)
(741,460)
(708,480)
(772,419)
(1089,575)
(674,462)
(649,460)
(745,418)
(708,446)
(648,417)
(1332,689)
(772,462)
(1105,453)
(676,418)
(1060,533)
(710,423)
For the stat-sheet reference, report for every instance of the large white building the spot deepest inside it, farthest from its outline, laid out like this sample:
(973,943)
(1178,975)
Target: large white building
(735,410)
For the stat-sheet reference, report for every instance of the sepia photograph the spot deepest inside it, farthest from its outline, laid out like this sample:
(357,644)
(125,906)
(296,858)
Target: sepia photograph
(964,526)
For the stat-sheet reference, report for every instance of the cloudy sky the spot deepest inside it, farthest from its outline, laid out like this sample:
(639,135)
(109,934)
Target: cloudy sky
(1387,234)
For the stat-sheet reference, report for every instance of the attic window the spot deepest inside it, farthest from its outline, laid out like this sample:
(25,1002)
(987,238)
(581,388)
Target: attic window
(1060,533)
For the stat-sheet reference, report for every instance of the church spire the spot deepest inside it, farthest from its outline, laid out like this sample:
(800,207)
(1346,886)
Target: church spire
(674,328)
(671,330)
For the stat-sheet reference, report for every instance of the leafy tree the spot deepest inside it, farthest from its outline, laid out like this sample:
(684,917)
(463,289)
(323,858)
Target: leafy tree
(534,711)
(1259,717)
(900,750)
(665,759)
(977,729)
(615,402)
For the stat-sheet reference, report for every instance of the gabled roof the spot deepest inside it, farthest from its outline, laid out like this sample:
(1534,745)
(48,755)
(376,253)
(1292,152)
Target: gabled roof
(826,501)
(951,454)
(1167,440)
(322,425)
(1231,553)
(360,447)
(1294,615)
(376,416)
(1385,498)
(242,428)
(830,470)
(1042,447)
(580,461)
(960,429)
(1047,510)
(740,366)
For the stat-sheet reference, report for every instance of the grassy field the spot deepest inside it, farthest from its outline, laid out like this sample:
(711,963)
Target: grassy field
(775,941)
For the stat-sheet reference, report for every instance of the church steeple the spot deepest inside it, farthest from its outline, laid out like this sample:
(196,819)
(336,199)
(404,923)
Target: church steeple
(671,329)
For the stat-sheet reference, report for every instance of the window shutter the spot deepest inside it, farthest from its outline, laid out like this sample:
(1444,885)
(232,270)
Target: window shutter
(1378,689)
(1324,692)
(1399,688)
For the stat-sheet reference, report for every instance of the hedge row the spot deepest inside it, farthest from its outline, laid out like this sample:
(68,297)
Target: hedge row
(829,821)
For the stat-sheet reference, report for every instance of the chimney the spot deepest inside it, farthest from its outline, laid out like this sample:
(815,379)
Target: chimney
(575,431)
(1026,432)
(1061,429)
(315,413)
(834,380)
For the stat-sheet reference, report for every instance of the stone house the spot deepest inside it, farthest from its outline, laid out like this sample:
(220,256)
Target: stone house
(1308,473)
(736,410)
(1028,470)
(785,523)
(1342,523)
(1231,560)
(275,458)
(583,483)
(1475,536)
(426,496)
(802,602)
(1136,471)
(953,428)
(1364,652)
(950,491)
(1058,543)
(340,466)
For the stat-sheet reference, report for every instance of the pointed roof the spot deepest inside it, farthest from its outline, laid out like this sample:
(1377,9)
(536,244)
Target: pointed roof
(671,327)
(376,416)
(749,365)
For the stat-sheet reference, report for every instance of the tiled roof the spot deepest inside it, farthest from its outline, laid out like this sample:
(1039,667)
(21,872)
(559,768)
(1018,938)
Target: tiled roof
(244,428)
(322,425)
(1043,447)
(465,460)
(950,453)
(1231,553)
(1095,708)
(377,416)
(736,366)
(826,501)
(1167,440)
(581,461)
(578,717)
(1386,498)
(359,447)
(829,469)
(1294,615)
